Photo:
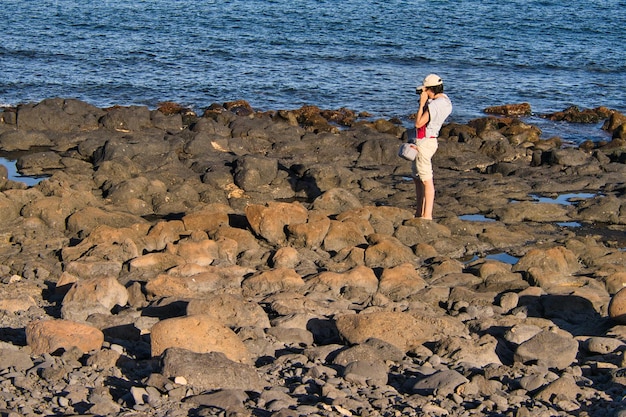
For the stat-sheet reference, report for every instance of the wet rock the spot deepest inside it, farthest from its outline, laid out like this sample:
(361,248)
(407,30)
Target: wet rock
(574,114)
(125,119)
(522,109)
(59,115)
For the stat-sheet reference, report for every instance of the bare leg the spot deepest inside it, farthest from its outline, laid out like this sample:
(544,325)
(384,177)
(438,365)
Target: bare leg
(419,197)
(429,199)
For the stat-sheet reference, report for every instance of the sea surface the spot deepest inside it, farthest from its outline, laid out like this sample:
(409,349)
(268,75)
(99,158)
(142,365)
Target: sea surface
(282,54)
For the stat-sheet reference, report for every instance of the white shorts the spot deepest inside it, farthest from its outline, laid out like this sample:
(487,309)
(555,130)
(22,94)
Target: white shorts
(422,167)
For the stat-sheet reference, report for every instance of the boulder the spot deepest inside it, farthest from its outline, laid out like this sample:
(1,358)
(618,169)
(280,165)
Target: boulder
(402,330)
(201,282)
(253,172)
(443,383)
(270,221)
(87,293)
(198,333)
(359,282)
(336,200)
(549,349)
(617,307)
(342,235)
(310,234)
(548,267)
(58,115)
(401,281)
(386,251)
(231,310)
(267,282)
(87,219)
(48,336)
(125,119)
(520,109)
(209,371)
(19,140)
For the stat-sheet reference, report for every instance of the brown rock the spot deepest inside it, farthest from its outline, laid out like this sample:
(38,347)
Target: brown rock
(15,304)
(155,262)
(286,257)
(269,221)
(197,282)
(480,353)
(244,238)
(548,267)
(106,291)
(198,333)
(415,230)
(163,233)
(617,307)
(574,114)
(108,243)
(201,253)
(360,280)
(521,109)
(386,251)
(342,235)
(90,268)
(88,218)
(209,218)
(531,211)
(47,336)
(615,120)
(401,281)
(615,282)
(268,282)
(402,330)
(231,310)
(309,235)
(335,199)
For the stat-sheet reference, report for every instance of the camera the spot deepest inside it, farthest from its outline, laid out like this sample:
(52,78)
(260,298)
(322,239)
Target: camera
(418,90)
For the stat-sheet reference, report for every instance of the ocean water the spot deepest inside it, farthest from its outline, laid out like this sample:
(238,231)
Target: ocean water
(282,54)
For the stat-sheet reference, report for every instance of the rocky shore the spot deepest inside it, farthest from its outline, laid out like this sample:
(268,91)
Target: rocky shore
(246,263)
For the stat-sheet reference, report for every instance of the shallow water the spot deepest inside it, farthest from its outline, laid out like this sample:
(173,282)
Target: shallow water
(14,175)
(567,199)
